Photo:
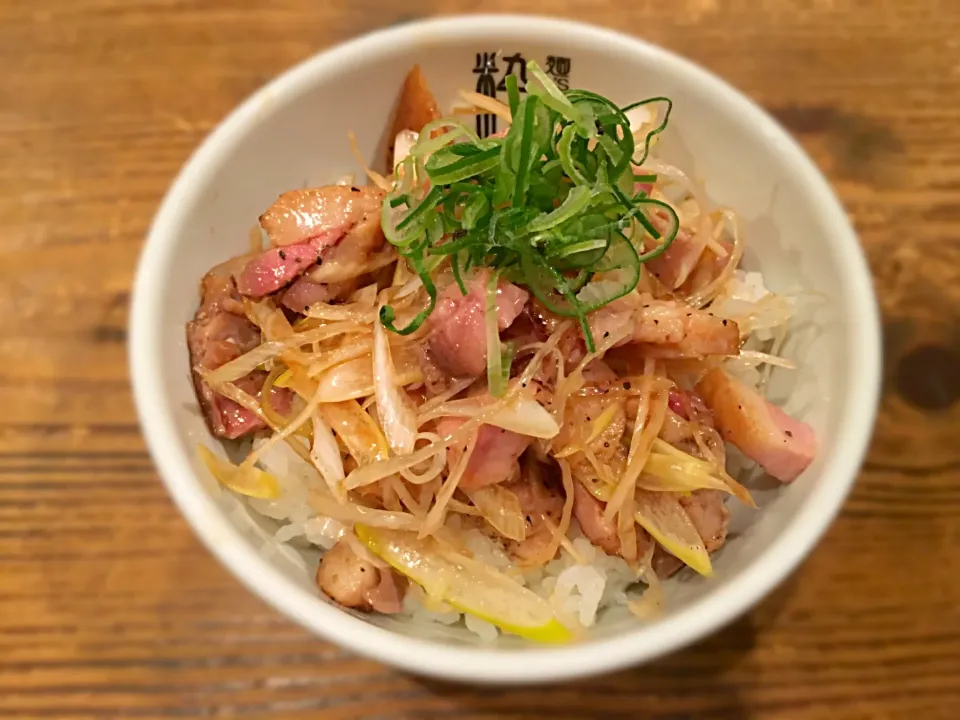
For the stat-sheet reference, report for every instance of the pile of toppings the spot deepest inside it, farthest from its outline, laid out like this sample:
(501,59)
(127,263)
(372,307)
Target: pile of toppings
(551,206)
(526,341)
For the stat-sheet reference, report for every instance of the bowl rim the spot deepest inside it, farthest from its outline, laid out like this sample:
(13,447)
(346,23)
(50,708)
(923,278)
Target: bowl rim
(479,664)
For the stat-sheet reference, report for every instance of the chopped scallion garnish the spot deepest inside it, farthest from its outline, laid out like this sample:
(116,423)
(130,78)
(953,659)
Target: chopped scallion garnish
(552,206)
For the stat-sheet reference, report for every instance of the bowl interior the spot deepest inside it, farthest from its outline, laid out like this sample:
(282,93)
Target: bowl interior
(294,134)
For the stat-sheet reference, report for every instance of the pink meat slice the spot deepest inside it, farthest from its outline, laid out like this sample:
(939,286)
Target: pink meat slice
(304,292)
(303,225)
(495,455)
(667,328)
(709,515)
(672,330)
(589,514)
(690,406)
(301,215)
(780,444)
(355,582)
(708,268)
(277,267)
(236,420)
(457,339)
(219,333)
(676,263)
(387,596)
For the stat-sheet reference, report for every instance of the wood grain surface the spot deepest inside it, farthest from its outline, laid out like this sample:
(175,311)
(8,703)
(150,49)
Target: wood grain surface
(110,608)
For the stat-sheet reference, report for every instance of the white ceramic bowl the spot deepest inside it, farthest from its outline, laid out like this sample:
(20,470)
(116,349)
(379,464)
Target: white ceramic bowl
(292,133)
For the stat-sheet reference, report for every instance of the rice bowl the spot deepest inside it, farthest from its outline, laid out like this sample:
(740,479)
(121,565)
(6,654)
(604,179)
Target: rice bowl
(836,395)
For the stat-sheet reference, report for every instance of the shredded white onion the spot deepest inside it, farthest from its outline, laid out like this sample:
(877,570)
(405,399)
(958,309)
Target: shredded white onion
(436,401)
(646,428)
(398,417)
(248,362)
(438,511)
(437,463)
(321,362)
(355,378)
(325,455)
(501,508)
(352,512)
(358,431)
(524,416)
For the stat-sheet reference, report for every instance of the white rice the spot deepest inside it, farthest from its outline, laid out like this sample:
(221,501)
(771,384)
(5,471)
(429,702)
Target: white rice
(488,633)
(578,592)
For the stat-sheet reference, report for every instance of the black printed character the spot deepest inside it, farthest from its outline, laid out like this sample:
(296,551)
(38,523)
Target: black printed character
(513,61)
(558,68)
(486,68)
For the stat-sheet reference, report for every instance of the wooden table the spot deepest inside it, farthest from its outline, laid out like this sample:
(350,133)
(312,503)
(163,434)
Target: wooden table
(109,607)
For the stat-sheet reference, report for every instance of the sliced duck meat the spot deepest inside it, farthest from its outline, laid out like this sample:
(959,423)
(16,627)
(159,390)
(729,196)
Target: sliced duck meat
(677,262)
(355,582)
(360,252)
(686,412)
(708,512)
(709,515)
(235,419)
(276,268)
(667,328)
(589,514)
(708,268)
(690,406)
(304,226)
(333,210)
(780,444)
(495,456)
(458,340)
(664,564)
(304,292)
(540,501)
(705,508)
(218,334)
